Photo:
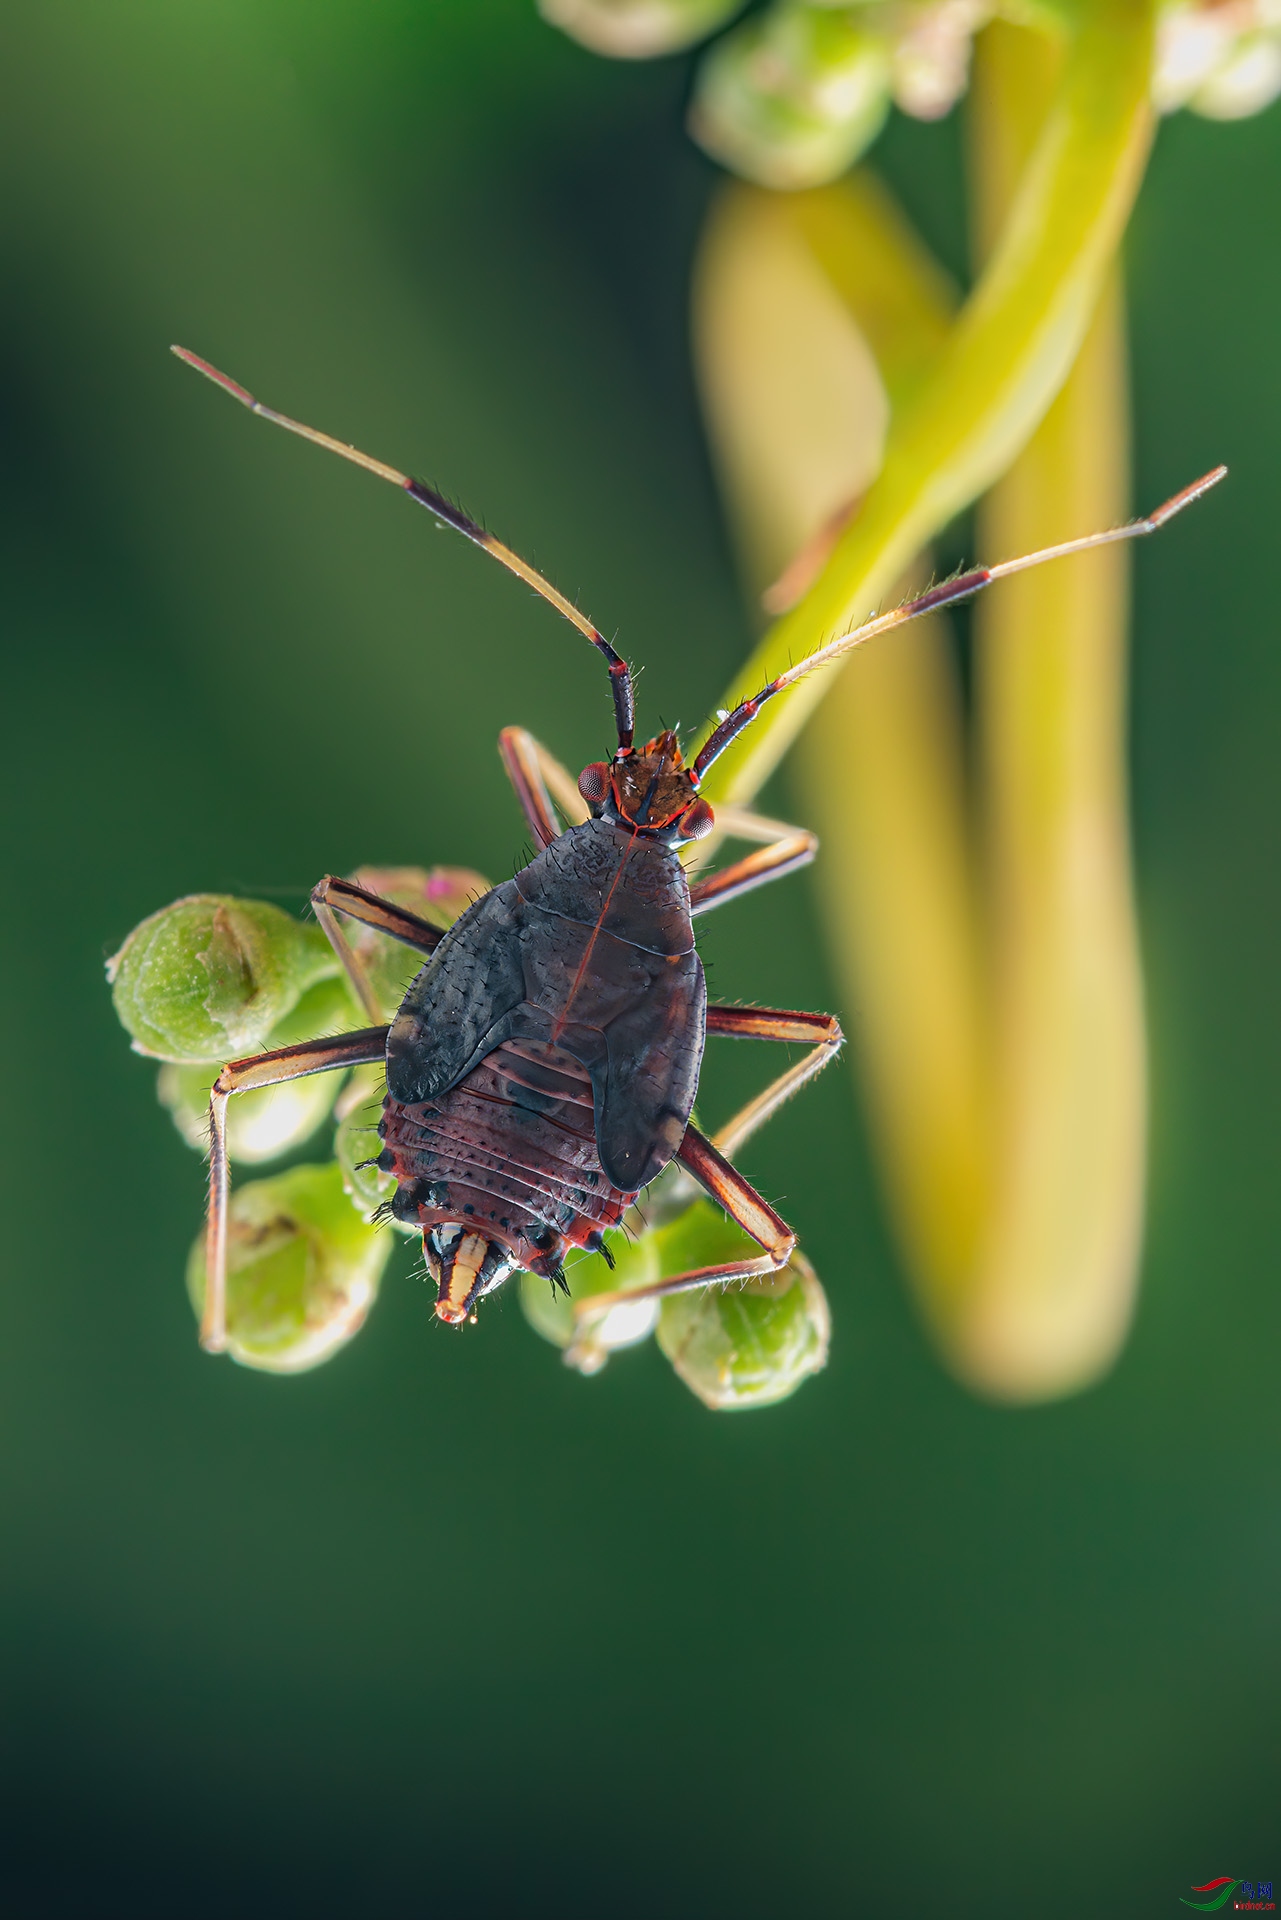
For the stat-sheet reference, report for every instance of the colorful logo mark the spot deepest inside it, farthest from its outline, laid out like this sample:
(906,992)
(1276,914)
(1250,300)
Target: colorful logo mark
(1255,1898)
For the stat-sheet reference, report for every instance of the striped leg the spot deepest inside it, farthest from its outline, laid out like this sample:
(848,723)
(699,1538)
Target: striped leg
(539,779)
(820,1032)
(332,896)
(733,1191)
(786,850)
(706,1160)
(239,1076)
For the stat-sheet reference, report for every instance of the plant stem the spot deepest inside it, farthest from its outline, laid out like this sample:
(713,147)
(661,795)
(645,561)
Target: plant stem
(1050,1298)
(1002,364)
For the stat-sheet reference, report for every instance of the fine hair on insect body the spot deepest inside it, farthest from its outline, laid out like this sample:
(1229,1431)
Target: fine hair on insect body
(543,1064)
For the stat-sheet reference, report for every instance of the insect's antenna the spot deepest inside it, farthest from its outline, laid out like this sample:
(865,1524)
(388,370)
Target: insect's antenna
(620,678)
(945,595)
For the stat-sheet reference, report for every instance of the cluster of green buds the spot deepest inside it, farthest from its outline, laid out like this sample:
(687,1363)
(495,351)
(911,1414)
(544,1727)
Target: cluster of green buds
(794,94)
(211,978)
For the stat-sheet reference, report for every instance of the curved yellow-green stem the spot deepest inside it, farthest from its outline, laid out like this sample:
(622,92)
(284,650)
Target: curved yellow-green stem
(1001,366)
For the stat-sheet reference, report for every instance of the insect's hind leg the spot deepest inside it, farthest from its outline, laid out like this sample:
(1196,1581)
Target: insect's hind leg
(706,1160)
(241,1076)
(733,1191)
(539,779)
(332,896)
(820,1032)
(785,850)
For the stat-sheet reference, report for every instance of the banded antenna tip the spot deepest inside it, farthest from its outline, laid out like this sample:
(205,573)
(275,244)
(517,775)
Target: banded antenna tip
(222,380)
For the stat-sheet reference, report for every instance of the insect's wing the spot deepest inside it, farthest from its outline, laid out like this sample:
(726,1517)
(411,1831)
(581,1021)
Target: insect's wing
(467,989)
(646,1093)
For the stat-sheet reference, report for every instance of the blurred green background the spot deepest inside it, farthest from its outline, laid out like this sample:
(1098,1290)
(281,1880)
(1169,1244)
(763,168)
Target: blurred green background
(443,1628)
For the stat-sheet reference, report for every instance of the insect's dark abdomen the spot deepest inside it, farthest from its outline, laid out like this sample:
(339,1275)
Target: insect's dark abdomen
(589,949)
(511,1152)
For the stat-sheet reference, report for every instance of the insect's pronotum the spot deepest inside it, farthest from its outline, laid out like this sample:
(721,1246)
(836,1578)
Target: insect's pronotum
(542,1067)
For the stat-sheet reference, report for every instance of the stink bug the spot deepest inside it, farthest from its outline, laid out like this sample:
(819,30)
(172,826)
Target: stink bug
(543,1064)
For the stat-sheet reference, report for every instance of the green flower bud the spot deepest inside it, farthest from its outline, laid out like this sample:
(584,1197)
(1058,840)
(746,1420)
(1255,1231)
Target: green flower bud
(357,1146)
(588,1345)
(747,1344)
(271,1120)
(302,1270)
(637,29)
(793,96)
(437,896)
(209,977)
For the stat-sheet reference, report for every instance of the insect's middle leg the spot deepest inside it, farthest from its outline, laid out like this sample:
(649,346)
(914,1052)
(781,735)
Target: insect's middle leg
(241,1076)
(786,849)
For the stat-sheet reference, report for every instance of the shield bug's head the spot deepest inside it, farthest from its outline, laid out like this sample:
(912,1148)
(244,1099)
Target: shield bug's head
(649,788)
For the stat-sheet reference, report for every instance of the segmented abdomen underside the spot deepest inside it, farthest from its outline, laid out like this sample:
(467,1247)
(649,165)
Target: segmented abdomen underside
(509,1152)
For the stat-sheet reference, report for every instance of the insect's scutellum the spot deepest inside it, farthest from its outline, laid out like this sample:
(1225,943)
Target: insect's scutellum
(542,1067)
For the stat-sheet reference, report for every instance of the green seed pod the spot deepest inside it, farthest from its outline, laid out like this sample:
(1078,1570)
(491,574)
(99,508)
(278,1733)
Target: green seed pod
(793,96)
(588,1346)
(356,1145)
(302,1270)
(209,977)
(637,29)
(745,1345)
(437,896)
(271,1120)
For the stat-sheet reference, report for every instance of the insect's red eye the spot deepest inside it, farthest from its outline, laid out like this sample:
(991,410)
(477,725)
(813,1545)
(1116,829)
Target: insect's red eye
(593,783)
(697,821)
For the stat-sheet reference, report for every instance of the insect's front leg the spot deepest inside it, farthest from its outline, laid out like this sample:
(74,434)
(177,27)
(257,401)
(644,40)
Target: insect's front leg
(241,1076)
(539,779)
(785,850)
(331,896)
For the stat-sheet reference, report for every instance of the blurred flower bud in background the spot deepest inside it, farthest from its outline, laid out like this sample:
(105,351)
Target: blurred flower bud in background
(930,45)
(1221,58)
(637,29)
(302,1270)
(209,977)
(794,95)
